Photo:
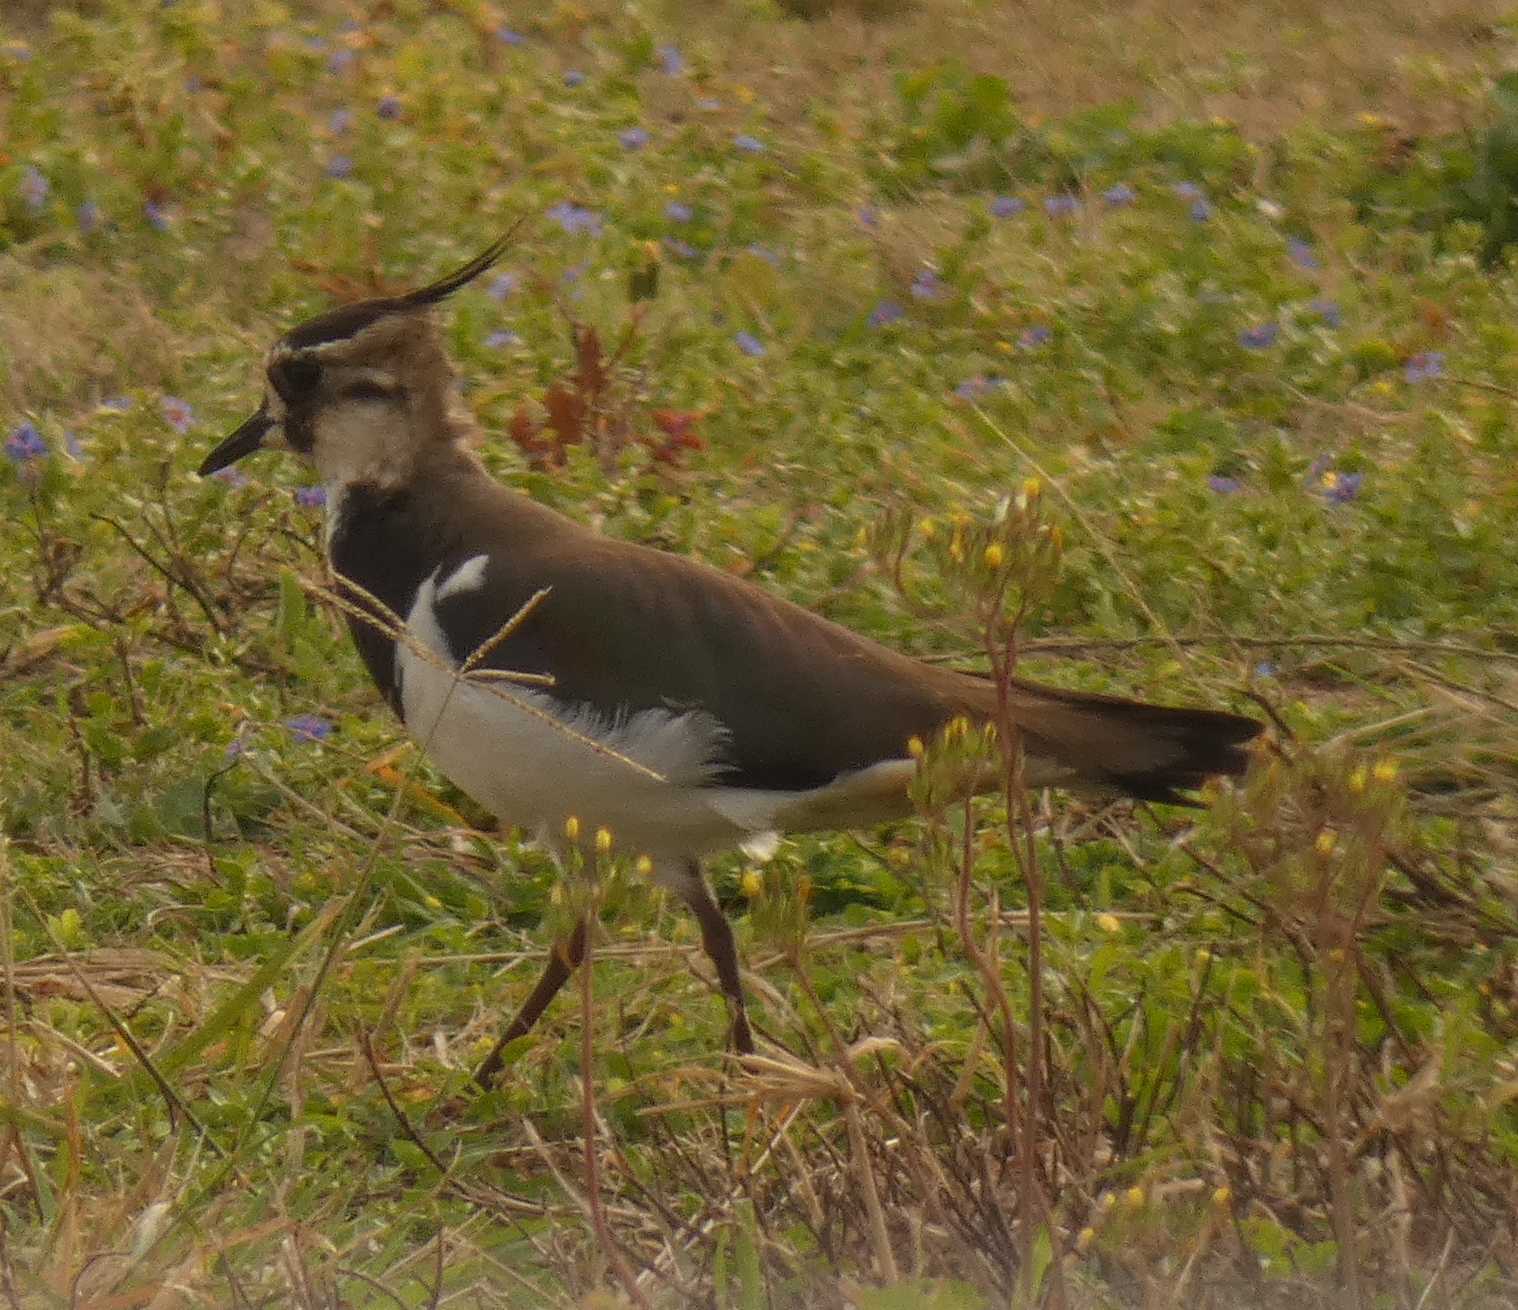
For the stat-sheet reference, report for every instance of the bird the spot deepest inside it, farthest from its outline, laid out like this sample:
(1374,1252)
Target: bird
(685,710)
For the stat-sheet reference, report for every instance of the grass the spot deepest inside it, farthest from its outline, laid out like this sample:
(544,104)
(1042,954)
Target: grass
(1249,369)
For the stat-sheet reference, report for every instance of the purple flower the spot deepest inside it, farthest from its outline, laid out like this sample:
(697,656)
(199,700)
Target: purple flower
(88,217)
(24,445)
(1223,484)
(1060,205)
(157,216)
(573,274)
(500,340)
(677,212)
(927,285)
(1007,206)
(388,107)
(708,106)
(73,445)
(235,749)
(1188,191)
(340,61)
(764,253)
(502,285)
(194,84)
(1424,367)
(1260,337)
(671,60)
(509,36)
(632,138)
(1328,311)
(117,404)
(574,77)
(681,249)
(17,50)
(1201,211)
(750,345)
(575,218)
(1301,254)
(1034,337)
(309,727)
(311,497)
(1265,669)
(868,216)
(35,188)
(340,121)
(885,313)
(1119,196)
(232,476)
(339,167)
(1340,488)
(178,413)
(750,145)
(976,387)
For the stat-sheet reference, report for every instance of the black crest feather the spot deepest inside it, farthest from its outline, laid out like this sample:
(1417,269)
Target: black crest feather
(349,320)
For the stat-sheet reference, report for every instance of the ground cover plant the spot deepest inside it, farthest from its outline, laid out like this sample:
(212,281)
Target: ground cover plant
(1194,343)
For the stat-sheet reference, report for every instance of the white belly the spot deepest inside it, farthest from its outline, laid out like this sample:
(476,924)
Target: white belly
(515,751)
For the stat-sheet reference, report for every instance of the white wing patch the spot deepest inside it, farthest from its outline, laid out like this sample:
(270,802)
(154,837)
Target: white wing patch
(469,576)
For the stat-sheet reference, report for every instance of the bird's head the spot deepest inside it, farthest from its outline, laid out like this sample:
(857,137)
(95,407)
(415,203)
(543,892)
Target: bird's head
(360,392)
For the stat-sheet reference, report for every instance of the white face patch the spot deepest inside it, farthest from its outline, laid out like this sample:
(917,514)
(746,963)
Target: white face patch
(469,576)
(362,441)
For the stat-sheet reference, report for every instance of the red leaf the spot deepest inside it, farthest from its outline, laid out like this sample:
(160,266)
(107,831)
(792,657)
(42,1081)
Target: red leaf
(566,414)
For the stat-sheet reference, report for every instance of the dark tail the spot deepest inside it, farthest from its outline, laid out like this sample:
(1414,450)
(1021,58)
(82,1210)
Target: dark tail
(1152,752)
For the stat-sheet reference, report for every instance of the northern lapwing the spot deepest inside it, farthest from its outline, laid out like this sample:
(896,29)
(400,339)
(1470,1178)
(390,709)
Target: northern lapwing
(686,710)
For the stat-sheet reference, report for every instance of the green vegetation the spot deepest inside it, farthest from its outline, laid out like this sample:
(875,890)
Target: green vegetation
(838,303)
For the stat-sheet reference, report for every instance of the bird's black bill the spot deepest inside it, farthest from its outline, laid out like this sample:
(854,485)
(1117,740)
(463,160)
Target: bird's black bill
(244,441)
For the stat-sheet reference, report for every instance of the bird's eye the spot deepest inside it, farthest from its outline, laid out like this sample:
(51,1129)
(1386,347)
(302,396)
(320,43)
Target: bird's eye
(368,389)
(294,377)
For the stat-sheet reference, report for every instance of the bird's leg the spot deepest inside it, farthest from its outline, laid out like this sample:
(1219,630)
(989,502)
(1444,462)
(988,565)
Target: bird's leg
(717,938)
(563,960)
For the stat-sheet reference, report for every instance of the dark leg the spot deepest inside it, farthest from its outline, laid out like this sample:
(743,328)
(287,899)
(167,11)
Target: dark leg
(562,961)
(717,937)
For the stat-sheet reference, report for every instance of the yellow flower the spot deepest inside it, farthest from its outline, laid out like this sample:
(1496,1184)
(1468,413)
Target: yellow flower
(645,866)
(572,828)
(603,841)
(915,748)
(752,883)
(1133,1198)
(1109,923)
(1084,1238)
(1221,1197)
(1005,347)
(433,903)
(1357,779)
(1032,488)
(1385,771)
(928,528)
(1327,840)
(744,94)
(994,556)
